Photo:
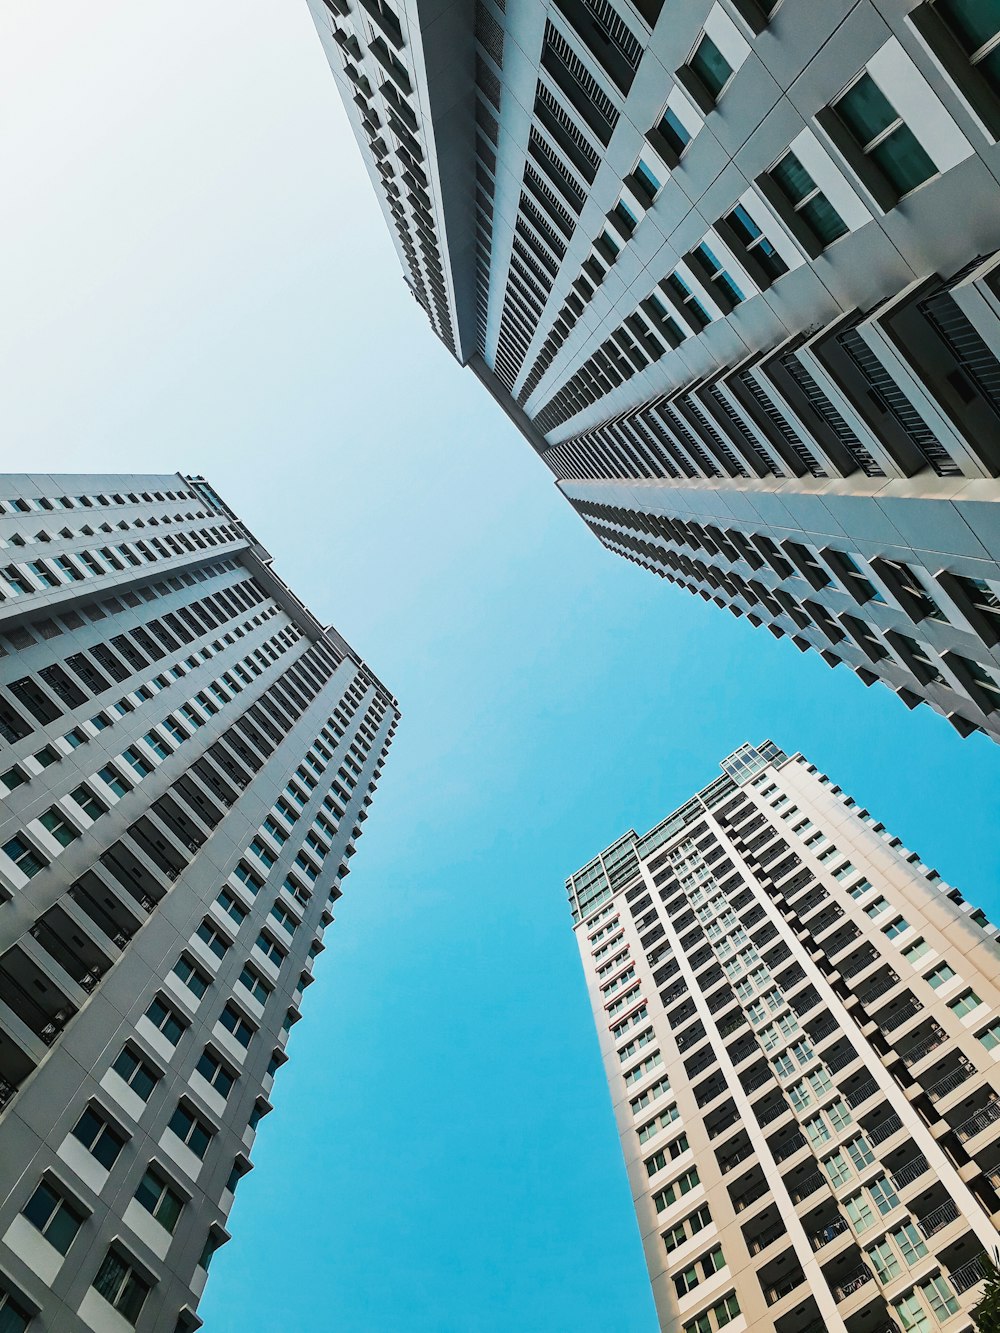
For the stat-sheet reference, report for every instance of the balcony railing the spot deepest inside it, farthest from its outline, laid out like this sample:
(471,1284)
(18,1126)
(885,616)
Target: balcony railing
(806,1187)
(883,1131)
(741,1156)
(969,1274)
(824,1235)
(849,1285)
(837,1060)
(949,1083)
(7,1092)
(910,1171)
(770,1113)
(861,1093)
(978,1122)
(760,1242)
(900,1015)
(823,1029)
(879,988)
(789,1147)
(751,1196)
(939,1218)
(923,1048)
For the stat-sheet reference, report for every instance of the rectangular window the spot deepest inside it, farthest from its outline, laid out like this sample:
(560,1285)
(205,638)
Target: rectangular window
(159,1199)
(808,202)
(215,1073)
(25,857)
(940,975)
(97,1136)
(57,1220)
(760,249)
(238,1026)
(165,1020)
(190,1130)
(965,1004)
(139,1076)
(712,68)
(883,136)
(121,1286)
(976,26)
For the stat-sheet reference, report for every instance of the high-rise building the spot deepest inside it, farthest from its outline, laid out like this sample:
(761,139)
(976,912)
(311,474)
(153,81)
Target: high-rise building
(189,757)
(732,268)
(799,1024)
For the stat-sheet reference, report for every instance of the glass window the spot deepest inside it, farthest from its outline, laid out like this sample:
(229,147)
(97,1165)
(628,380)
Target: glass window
(965,1004)
(990,1037)
(647,179)
(760,248)
(883,136)
(121,1286)
(159,1199)
(136,1073)
(976,24)
(99,1138)
(808,201)
(711,66)
(674,132)
(940,975)
(717,276)
(57,1220)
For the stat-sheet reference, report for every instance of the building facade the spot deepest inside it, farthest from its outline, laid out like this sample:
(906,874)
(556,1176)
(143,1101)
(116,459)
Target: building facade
(189,757)
(799,1024)
(708,259)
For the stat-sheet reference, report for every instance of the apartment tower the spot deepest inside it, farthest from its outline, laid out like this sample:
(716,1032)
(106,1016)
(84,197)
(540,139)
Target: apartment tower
(189,757)
(732,268)
(799,1025)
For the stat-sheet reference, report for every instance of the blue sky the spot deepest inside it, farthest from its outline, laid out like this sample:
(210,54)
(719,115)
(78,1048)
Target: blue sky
(201,281)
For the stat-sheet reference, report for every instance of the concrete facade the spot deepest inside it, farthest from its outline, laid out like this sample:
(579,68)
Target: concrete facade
(799,1025)
(189,757)
(710,263)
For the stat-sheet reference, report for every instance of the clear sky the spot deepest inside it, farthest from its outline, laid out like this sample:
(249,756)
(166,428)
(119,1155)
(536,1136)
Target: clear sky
(194,275)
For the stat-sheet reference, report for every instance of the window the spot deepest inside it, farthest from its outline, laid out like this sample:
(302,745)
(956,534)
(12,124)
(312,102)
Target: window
(99,1138)
(192,977)
(136,1073)
(883,137)
(816,1130)
(808,202)
(895,928)
(12,779)
(691,306)
(758,248)
(159,1199)
(860,1152)
(646,179)
(883,1195)
(699,1271)
(859,1213)
(722,284)
(121,1286)
(876,908)
(650,1094)
(939,976)
(190,1130)
(718,1316)
(674,132)
(165,1020)
(270,950)
(115,781)
(990,1037)
(917,950)
(136,762)
(653,1127)
(625,216)
(88,802)
(976,25)
(24,856)
(232,907)
(215,1073)
(885,1262)
(676,1189)
(213,939)
(57,1220)
(255,984)
(910,1242)
(710,66)
(838,1169)
(284,918)
(61,829)
(238,1026)
(965,1004)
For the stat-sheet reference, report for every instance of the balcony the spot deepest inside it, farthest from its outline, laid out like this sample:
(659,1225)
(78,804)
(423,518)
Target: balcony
(731,1154)
(780,1276)
(802,1184)
(882,982)
(770,1108)
(763,1230)
(970,1274)
(858,1089)
(978,1113)
(910,1171)
(846,1286)
(33,996)
(719,1121)
(71,948)
(839,1056)
(928,1038)
(897,1013)
(748,1189)
(786,1144)
(938,1219)
(828,1228)
(939,1085)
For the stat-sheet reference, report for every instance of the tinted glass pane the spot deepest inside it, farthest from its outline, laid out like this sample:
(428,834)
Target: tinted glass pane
(107,1148)
(64,1227)
(989,68)
(674,132)
(974,22)
(148,1192)
(41,1206)
(902,160)
(169,1210)
(823,219)
(711,66)
(865,110)
(12,1319)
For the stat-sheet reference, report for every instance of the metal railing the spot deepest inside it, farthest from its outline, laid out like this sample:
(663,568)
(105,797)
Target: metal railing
(726,1166)
(910,1171)
(861,1093)
(923,1048)
(883,1131)
(789,1147)
(770,1113)
(879,988)
(940,1217)
(806,1187)
(849,1285)
(766,1237)
(978,1122)
(824,1235)
(969,1274)
(949,1083)
(898,1016)
(7,1092)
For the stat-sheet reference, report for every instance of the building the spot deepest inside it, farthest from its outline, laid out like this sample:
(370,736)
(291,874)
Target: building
(800,1029)
(189,757)
(708,259)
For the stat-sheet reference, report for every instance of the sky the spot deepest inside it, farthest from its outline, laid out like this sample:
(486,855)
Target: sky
(194,276)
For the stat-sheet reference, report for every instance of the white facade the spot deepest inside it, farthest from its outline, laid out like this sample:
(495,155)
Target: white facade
(188,759)
(799,1024)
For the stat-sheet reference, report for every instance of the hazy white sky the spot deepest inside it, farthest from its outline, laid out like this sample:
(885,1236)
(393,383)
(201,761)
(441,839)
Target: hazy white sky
(194,275)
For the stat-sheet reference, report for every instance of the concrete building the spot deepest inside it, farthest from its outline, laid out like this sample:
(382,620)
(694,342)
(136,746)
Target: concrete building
(733,269)
(189,757)
(799,1024)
